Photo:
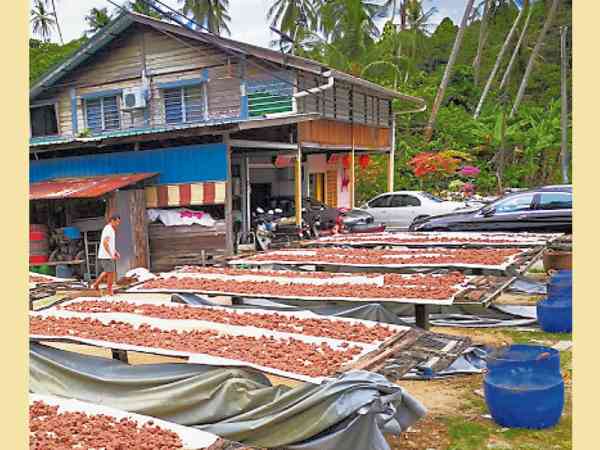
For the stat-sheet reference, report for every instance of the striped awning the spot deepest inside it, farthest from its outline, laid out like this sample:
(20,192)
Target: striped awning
(165,195)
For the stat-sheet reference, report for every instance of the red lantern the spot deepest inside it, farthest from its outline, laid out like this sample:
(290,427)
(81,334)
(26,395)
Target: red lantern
(364,161)
(346,161)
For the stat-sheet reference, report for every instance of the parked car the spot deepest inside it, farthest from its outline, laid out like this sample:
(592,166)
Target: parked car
(546,209)
(400,209)
(359,221)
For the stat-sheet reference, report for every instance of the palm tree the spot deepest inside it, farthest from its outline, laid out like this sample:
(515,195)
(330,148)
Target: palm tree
(437,103)
(212,14)
(350,25)
(534,53)
(390,8)
(294,18)
(487,6)
(417,20)
(500,56)
(513,58)
(42,20)
(56,23)
(96,19)
(142,7)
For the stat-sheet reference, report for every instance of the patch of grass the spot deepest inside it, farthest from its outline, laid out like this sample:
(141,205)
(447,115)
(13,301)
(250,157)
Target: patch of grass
(466,435)
(526,337)
(483,434)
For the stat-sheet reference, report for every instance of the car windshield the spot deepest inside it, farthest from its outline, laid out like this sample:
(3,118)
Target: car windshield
(431,197)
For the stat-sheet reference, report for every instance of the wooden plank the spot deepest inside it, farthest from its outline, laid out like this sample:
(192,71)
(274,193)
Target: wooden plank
(139,226)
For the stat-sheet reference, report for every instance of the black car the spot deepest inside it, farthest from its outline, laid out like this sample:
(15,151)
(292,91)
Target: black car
(546,209)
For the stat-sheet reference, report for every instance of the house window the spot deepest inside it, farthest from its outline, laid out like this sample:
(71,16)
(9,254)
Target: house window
(43,121)
(184,104)
(102,113)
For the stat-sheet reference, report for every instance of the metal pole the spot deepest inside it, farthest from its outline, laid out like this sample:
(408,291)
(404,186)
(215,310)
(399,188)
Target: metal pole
(298,186)
(564,108)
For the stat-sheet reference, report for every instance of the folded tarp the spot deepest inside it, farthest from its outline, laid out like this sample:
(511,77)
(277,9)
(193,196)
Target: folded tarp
(352,411)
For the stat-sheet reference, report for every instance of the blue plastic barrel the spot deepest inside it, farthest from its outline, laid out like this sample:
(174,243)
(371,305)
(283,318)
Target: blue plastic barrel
(560,287)
(63,271)
(522,356)
(561,275)
(560,292)
(524,398)
(72,233)
(555,316)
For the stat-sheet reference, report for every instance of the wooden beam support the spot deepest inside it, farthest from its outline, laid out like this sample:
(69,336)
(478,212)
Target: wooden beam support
(228,200)
(392,155)
(298,186)
(422,316)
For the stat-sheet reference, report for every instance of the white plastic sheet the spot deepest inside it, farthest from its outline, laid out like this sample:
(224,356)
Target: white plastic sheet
(190,437)
(460,288)
(180,216)
(451,238)
(186,325)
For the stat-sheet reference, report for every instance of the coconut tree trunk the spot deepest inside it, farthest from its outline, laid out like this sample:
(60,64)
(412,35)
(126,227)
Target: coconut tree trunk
(403,16)
(533,56)
(437,103)
(482,38)
(564,109)
(57,23)
(513,58)
(496,67)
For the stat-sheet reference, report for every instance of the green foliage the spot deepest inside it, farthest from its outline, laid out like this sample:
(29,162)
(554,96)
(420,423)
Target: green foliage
(45,55)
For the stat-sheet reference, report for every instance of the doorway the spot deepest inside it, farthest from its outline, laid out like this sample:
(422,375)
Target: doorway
(259,194)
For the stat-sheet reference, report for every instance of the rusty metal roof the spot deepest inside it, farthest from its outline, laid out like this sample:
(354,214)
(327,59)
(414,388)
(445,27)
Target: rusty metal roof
(83,187)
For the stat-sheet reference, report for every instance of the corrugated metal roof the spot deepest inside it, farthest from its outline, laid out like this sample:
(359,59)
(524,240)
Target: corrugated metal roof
(83,187)
(108,33)
(242,124)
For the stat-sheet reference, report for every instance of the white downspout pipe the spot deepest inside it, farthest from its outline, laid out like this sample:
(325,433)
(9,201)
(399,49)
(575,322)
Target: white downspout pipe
(316,90)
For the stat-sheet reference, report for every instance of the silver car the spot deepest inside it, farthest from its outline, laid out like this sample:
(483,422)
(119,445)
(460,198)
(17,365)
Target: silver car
(399,209)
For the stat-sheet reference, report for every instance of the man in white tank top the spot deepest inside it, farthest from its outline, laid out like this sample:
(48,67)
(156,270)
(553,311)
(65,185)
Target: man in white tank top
(108,254)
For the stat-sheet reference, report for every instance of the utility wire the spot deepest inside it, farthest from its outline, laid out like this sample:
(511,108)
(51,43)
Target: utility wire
(224,48)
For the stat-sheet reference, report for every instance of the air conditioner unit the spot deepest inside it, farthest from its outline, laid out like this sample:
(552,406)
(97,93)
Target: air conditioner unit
(134,98)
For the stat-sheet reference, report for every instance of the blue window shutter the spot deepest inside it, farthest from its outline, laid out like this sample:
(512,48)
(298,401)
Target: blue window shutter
(173,106)
(194,103)
(93,114)
(110,109)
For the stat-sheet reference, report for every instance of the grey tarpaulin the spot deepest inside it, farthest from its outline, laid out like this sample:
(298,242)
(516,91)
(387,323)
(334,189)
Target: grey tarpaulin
(368,311)
(464,316)
(237,404)
(473,360)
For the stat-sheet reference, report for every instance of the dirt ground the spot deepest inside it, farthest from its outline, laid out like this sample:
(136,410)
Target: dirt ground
(456,406)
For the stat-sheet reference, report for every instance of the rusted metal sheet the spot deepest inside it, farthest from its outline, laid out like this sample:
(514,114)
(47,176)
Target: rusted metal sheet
(83,187)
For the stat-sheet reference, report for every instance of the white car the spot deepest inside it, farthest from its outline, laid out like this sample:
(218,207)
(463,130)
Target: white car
(399,209)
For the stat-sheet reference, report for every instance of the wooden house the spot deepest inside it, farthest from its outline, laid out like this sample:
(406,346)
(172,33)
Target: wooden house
(198,121)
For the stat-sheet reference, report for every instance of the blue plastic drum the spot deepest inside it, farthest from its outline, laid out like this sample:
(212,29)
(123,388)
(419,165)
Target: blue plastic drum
(560,287)
(563,274)
(560,293)
(72,233)
(535,357)
(555,317)
(524,398)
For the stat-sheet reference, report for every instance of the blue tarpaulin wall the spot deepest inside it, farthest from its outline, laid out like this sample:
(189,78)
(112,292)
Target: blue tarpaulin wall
(185,164)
